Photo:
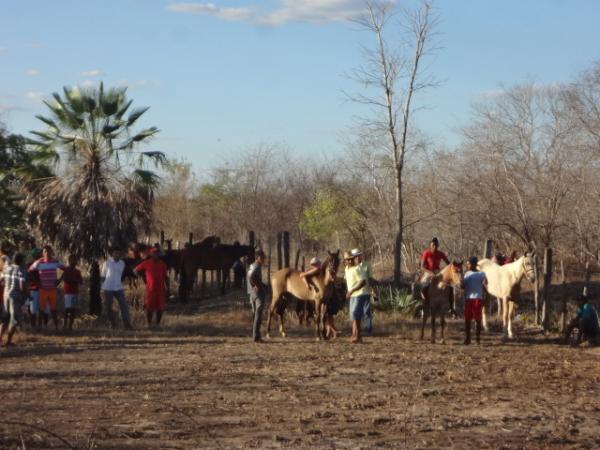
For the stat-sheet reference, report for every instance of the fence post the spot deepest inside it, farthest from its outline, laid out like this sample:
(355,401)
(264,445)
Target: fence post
(487,254)
(270,255)
(162,237)
(286,248)
(487,249)
(547,282)
(297,259)
(303,263)
(191,238)
(536,289)
(563,312)
(251,239)
(588,275)
(279,251)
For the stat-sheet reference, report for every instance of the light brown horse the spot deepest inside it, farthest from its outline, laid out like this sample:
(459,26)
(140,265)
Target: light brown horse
(437,302)
(287,282)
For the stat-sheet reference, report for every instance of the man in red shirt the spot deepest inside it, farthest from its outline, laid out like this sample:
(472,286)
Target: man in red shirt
(430,266)
(157,285)
(72,279)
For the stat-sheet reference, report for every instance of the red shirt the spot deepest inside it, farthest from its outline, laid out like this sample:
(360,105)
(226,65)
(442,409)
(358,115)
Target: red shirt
(155,272)
(71,280)
(432,259)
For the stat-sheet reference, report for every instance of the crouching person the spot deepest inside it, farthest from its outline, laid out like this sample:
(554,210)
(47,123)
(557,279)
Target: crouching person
(586,323)
(15,276)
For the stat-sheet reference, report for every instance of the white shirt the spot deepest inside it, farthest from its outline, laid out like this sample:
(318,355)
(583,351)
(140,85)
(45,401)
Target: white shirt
(112,271)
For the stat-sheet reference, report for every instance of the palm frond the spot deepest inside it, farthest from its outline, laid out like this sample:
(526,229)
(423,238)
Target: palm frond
(135,115)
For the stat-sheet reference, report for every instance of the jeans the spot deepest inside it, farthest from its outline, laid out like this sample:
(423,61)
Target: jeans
(108,300)
(368,315)
(258,304)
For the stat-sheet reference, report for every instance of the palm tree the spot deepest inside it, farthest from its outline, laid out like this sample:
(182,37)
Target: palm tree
(103,191)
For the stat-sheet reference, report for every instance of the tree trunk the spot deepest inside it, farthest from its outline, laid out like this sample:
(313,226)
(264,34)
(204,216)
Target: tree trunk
(95,299)
(399,223)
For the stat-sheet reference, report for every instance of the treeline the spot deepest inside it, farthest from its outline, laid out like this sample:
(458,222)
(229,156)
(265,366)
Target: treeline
(525,175)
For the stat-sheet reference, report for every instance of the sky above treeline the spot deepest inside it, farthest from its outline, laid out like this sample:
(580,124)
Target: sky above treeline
(223,76)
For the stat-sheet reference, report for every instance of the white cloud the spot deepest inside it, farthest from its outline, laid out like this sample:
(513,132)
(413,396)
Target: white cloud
(33,72)
(91,73)
(315,11)
(87,83)
(3,50)
(6,108)
(34,95)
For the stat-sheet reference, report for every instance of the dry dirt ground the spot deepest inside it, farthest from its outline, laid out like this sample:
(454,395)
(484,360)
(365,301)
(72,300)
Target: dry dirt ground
(199,382)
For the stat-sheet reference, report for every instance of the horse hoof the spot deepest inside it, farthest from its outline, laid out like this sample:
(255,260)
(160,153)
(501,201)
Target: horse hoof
(268,336)
(283,334)
(443,341)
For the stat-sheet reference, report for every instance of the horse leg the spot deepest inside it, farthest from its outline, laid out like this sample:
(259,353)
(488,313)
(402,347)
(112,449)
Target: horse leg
(504,318)
(484,317)
(510,309)
(433,314)
(282,324)
(423,322)
(443,322)
(272,309)
(500,306)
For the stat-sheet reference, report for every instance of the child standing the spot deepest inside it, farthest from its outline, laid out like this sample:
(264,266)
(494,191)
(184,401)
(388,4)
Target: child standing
(473,284)
(15,290)
(71,278)
(157,285)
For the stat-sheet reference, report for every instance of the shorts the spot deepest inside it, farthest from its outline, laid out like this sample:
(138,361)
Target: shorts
(71,301)
(13,314)
(34,302)
(48,297)
(357,306)
(473,309)
(155,301)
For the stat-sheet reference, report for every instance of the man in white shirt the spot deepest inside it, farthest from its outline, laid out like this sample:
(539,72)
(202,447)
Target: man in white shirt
(112,275)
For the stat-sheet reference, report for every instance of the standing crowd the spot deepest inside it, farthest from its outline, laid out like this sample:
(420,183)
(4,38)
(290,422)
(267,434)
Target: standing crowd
(30,280)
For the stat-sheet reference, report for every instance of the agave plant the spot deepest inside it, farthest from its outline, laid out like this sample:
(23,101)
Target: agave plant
(103,191)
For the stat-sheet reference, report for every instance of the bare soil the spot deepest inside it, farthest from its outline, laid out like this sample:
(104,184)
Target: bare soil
(199,382)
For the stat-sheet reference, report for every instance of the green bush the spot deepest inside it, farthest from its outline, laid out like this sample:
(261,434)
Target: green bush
(398,300)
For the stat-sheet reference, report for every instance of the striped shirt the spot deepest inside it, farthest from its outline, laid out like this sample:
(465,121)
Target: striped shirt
(47,270)
(14,280)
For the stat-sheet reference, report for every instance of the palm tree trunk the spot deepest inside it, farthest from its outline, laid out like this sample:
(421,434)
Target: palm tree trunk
(95,299)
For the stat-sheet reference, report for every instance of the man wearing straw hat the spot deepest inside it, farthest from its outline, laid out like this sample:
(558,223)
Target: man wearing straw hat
(357,294)
(367,274)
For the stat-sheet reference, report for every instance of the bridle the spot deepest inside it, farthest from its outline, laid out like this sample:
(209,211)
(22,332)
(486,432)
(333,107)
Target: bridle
(529,269)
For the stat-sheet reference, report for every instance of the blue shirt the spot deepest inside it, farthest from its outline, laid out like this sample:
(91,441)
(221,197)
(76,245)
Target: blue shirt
(473,285)
(589,316)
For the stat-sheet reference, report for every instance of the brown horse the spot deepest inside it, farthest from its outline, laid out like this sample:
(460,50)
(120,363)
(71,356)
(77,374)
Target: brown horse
(288,283)
(437,303)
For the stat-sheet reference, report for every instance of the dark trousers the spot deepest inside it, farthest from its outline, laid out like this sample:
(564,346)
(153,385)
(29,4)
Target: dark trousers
(258,304)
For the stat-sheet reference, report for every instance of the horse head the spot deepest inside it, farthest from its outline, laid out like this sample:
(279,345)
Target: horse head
(452,274)
(331,264)
(529,266)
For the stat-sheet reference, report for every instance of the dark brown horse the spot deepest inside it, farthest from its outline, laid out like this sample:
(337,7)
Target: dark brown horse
(210,255)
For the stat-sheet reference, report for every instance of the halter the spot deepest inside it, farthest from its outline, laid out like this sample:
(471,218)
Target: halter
(528,270)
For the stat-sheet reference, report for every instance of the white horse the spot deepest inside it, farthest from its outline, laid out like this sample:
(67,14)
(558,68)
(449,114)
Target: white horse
(503,282)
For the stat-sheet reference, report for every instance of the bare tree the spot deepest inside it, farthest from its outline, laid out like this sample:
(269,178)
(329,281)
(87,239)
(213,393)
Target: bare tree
(392,75)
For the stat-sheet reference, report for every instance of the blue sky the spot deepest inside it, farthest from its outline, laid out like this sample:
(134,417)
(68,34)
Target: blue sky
(222,76)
